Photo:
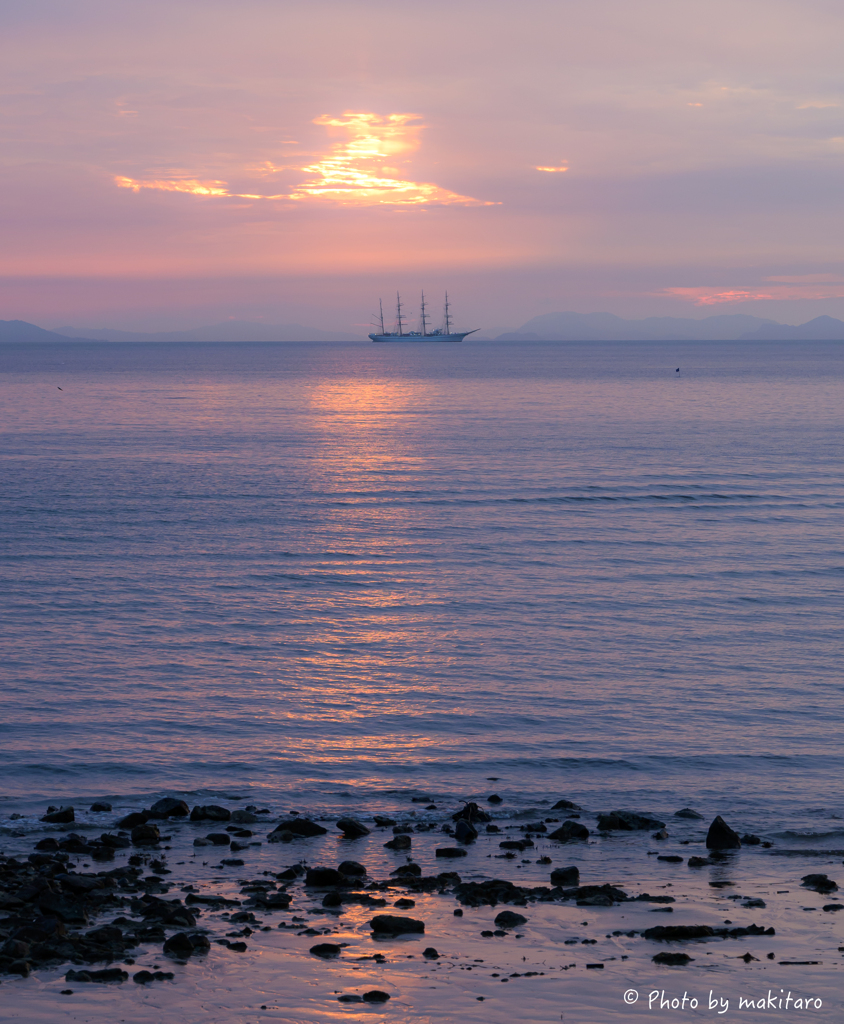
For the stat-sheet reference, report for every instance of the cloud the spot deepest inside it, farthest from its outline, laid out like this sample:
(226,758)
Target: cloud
(552,170)
(716,297)
(355,172)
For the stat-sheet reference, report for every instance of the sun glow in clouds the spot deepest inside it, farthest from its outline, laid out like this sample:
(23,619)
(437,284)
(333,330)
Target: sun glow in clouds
(552,170)
(356,172)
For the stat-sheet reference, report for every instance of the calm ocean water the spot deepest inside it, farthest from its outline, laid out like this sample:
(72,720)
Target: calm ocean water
(334,576)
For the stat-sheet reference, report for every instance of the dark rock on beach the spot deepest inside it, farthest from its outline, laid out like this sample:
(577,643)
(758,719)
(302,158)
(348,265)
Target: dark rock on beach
(133,819)
(430,953)
(566,805)
(471,812)
(465,831)
(627,821)
(169,807)
(60,817)
(351,868)
(210,812)
(687,812)
(302,827)
(146,977)
(352,829)
(375,996)
(102,977)
(402,842)
(100,806)
(494,799)
(565,876)
(389,924)
(320,877)
(721,837)
(568,831)
(326,950)
(182,945)
(509,919)
(449,851)
(820,883)
(145,835)
(672,959)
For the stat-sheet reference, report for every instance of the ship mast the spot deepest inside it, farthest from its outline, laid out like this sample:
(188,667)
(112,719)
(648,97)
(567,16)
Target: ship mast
(446,317)
(380,317)
(399,316)
(423,316)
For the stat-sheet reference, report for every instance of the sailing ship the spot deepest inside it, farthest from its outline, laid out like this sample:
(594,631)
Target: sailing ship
(444,333)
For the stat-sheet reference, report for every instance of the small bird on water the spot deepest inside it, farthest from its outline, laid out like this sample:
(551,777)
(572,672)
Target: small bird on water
(677,370)
(60,389)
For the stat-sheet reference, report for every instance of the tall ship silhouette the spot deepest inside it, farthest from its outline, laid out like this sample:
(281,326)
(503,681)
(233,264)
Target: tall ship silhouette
(444,333)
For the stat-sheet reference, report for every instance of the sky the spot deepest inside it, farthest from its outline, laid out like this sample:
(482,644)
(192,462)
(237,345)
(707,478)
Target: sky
(171,164)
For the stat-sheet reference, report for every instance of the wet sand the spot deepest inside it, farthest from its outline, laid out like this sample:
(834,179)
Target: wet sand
(567,961)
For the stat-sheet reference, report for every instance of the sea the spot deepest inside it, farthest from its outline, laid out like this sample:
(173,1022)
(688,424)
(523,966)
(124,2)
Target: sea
(341,578)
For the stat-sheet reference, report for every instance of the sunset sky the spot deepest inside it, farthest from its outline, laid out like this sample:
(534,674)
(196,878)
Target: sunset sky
(170,164)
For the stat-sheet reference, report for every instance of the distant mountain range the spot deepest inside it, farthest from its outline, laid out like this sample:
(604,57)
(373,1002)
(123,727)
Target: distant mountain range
(548,327)
(732,327)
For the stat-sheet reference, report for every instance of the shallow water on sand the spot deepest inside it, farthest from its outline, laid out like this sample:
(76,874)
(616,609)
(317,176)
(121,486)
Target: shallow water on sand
(342,575)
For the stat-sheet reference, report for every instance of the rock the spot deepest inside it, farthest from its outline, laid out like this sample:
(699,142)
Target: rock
(566,805)
(201,842)
(352,868)
(494,799)
(627,821)
(100,806)
(20,967)
(509,919)
(349,998)
(407,871)
(820,883)
(332,900)
(383,822)
(145,977)
(661,834)
(102,977)
(471,812)
(326,950)
(678,932)
(375,996)
(670,858)
(748,839)
(402,842)
(210,812)
(232,862)
(755,904)
(449,851)
(699,862)
(721,837)
(568,831)
(515,844)
(132,819)
(181,945)
(430,953)
(352,829)
(219,838)
(405,904)
(687,812)
(596,900)
(565,876)
(534,826)
(145,835)
(323,877)
(60,817)
(672,959)
(465,831)
(246,817)
(303,827)
(832,907)
(169,807)
(389,924)
(115,842)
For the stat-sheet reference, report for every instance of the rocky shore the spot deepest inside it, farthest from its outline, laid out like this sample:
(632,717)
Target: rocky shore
(99,899)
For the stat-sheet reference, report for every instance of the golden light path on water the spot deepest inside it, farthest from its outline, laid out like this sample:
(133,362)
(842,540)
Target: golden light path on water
(355,172)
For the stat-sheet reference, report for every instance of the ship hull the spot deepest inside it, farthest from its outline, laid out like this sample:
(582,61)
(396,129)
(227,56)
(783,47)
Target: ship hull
(419,337)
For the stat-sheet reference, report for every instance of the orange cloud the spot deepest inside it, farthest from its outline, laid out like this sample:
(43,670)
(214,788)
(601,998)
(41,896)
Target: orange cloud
(356,172)
(714,297)
(552,170)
